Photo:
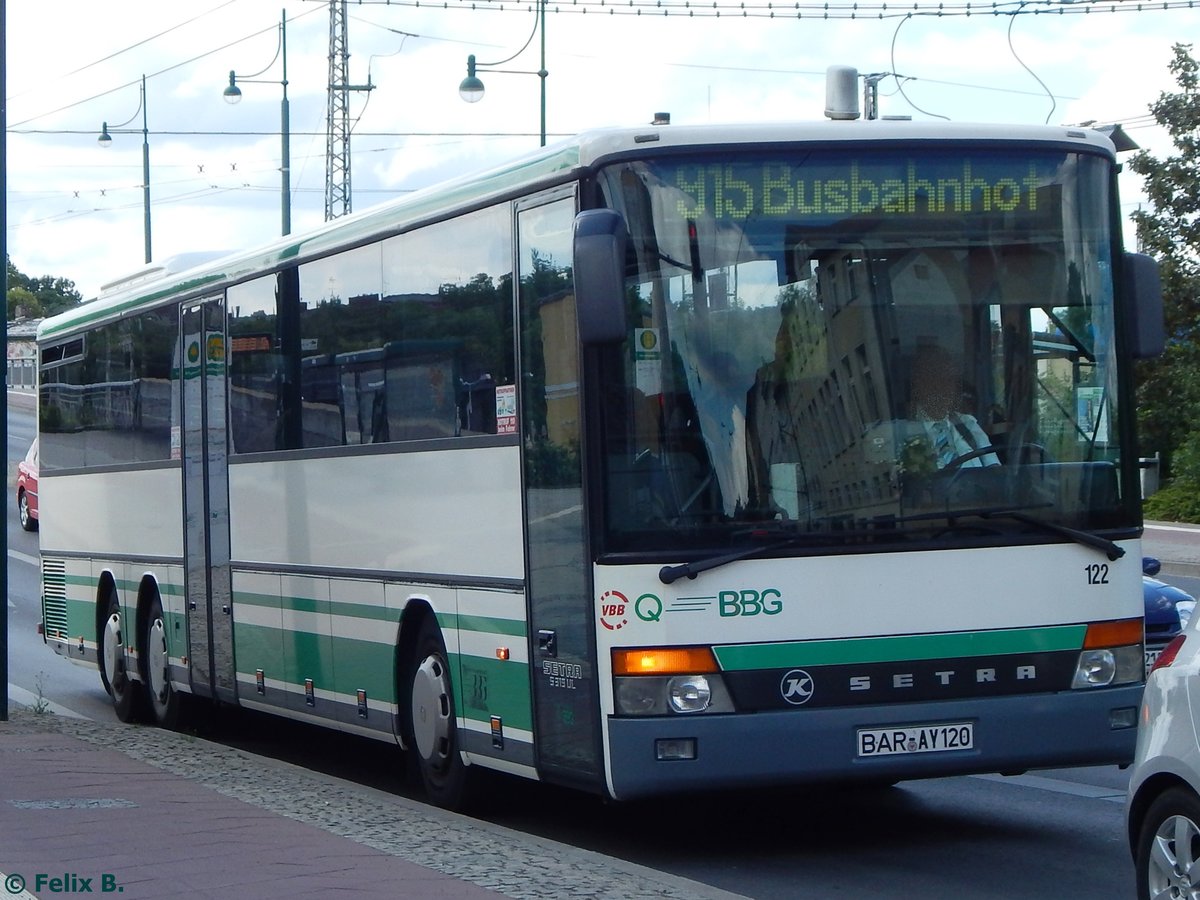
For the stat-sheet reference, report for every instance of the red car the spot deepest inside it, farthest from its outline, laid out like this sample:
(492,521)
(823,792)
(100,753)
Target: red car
(27,488)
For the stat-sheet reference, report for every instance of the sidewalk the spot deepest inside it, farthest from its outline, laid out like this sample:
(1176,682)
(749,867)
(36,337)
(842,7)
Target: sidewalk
(1177,546)
(93,807)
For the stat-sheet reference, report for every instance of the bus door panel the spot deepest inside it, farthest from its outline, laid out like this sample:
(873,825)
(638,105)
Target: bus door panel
(206,501)
(557,575)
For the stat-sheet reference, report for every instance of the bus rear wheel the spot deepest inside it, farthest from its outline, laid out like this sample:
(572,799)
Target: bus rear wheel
(166,704)
(432,727)
(114,672)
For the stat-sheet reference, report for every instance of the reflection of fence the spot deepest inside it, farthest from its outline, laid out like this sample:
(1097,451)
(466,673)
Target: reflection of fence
(142,405)
(22,373)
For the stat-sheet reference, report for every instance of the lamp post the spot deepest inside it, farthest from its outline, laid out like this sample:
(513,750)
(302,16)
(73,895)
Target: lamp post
(105,140)
(233,94)
(471,88)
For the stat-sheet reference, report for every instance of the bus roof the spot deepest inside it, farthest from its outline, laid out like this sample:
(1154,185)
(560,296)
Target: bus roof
(560,162)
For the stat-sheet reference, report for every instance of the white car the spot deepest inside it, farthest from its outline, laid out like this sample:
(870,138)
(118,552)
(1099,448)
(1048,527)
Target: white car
(1163,808)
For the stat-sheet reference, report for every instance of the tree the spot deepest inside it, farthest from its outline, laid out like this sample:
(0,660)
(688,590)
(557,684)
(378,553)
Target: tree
(50,295)
(1169,387)
(23,304)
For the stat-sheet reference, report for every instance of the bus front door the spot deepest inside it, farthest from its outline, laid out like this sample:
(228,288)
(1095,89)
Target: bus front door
(206,502)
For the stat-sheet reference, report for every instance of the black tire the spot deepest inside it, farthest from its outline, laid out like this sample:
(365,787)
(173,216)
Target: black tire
(1168,844)
(28,522)
(432,731)
(126,694)
(166,705)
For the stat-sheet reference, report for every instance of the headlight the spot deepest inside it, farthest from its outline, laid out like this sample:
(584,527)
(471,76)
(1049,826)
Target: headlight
(649,695)
(1185,608)
(689,693)
(1109,666)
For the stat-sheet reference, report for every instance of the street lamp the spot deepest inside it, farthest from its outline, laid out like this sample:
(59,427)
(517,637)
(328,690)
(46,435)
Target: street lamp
(105,140)
(233,94)
(471,88)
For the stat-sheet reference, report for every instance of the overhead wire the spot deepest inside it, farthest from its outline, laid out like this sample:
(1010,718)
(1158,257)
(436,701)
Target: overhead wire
(814,9)
(43,82)
(901,79)
(149,75)
(1017,57)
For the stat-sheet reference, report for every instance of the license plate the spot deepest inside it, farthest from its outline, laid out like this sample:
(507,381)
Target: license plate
(916,739)
(1151,658)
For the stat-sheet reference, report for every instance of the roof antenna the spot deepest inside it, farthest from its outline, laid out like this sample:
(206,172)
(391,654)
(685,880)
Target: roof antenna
(841,93)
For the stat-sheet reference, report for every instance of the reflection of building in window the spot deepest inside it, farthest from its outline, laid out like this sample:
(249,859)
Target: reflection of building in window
(815,408)
(557,315)
(107,399)
(404,339)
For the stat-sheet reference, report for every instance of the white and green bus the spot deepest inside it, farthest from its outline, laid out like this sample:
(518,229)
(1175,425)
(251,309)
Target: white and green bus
(616,467)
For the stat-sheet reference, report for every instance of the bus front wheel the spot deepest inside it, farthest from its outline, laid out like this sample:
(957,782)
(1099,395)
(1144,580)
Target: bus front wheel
(432,726)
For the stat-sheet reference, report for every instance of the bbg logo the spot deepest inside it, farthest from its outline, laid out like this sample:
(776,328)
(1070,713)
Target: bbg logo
(796,687)
(768,602)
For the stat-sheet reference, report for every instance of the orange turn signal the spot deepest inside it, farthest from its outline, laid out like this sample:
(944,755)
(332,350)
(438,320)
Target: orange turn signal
(1113,634)
(664,661)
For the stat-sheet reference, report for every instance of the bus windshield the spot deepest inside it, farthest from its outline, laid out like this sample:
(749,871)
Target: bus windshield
(863,346)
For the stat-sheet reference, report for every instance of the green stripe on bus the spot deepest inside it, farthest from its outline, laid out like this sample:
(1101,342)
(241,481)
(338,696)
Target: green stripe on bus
(483,686)
(482,624)
(907,648)
(165,588)
(313,605)
(337,664)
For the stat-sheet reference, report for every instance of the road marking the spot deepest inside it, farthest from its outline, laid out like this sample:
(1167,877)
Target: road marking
(18,694)
(25,558)
(1056,786)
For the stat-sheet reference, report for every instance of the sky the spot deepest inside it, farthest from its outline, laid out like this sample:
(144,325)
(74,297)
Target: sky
(75,209)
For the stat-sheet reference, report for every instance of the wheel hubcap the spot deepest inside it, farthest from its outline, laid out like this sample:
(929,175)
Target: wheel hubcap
(157,661)
(1173,860)
(113,655)
(431,709)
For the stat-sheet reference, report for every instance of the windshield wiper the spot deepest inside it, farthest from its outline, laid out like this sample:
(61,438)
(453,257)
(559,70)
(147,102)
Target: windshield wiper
(1104,545)
(1078,536)
(671,574)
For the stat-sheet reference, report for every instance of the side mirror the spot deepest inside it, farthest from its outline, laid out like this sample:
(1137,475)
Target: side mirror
(1144,306)
(1151,566)
(600,242)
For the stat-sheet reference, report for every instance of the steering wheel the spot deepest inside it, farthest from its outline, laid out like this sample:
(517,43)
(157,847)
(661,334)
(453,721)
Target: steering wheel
(1004,451)
(964,458)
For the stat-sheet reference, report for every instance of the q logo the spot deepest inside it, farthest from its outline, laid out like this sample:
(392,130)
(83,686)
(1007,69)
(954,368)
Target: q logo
(648,608)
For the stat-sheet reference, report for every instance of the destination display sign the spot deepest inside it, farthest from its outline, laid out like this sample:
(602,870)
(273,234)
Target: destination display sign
(901,185)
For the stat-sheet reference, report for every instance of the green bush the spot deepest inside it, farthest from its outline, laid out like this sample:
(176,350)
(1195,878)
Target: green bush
(1178,501)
